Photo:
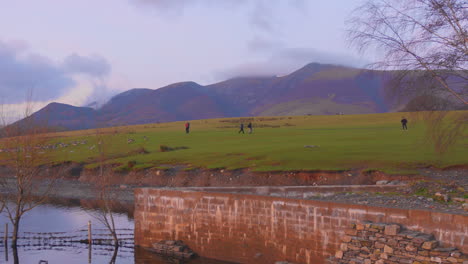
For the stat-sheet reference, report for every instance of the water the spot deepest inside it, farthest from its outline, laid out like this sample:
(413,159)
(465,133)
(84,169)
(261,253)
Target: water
(72,217)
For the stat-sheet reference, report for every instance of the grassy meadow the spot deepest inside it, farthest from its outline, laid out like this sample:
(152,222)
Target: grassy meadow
(371,141)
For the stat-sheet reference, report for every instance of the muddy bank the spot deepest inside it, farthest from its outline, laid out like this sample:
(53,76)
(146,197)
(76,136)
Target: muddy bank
(421,191)
(181,176)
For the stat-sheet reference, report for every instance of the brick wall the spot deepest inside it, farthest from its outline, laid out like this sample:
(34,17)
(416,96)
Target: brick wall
(263,229)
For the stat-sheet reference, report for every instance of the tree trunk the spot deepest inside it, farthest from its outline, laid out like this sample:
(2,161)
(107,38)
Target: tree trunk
(14,235)
(15,254)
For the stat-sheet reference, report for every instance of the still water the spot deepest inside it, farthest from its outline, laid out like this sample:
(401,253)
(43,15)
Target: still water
(72,217)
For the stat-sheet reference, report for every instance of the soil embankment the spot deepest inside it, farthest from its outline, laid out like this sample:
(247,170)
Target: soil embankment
(434,190)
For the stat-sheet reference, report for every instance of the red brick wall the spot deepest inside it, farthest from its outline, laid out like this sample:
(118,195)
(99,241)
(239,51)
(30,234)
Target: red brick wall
(263,229)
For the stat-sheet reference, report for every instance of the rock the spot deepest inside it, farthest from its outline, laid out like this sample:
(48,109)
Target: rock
(339,254)
(465,206)
(382,182)
(395,182)
(351,232)
(459,199)
(392,230)
(452,259)
(388,249)
(346,239)
(430,244)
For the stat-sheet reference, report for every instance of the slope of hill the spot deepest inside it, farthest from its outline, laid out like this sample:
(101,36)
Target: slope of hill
(313,89)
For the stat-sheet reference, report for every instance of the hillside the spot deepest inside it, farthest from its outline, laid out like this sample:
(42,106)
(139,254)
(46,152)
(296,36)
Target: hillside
(334,142)
(315,89)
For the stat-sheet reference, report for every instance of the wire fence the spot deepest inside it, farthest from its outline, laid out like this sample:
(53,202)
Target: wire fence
(99,237)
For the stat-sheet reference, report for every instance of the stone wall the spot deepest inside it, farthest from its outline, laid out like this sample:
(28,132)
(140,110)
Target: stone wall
(380,243)
(264,229)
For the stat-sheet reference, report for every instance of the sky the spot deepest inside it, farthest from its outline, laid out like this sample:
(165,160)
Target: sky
(79,52)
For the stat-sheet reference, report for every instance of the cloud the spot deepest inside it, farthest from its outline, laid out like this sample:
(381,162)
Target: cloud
(261,13)
(23,72)
(93,65)
(286,60)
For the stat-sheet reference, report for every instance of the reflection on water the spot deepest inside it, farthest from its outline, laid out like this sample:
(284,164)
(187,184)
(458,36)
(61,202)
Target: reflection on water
(70,216)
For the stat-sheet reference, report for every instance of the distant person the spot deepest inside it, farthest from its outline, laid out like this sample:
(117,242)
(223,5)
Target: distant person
(187,127)
(241,128)
(403,123)
(249,126)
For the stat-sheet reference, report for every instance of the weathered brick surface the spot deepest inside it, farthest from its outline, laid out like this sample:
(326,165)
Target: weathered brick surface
(408,248)
(237,227)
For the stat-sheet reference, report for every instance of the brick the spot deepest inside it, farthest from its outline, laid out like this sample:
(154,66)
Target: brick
(392,230)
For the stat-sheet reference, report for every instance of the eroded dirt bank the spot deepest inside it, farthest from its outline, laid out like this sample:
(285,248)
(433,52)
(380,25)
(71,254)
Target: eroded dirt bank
(431,189)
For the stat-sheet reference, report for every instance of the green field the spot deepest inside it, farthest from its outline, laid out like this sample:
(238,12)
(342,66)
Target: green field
(373,141)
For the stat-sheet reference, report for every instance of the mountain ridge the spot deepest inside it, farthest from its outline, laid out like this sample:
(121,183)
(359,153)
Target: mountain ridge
(312,89)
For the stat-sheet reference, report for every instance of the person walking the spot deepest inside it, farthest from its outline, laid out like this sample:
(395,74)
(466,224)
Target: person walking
(249,126)
(187,127)
(404,121)
(241,128)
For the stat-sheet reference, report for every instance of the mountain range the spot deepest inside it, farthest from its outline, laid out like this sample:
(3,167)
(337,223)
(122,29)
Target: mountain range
(315,89)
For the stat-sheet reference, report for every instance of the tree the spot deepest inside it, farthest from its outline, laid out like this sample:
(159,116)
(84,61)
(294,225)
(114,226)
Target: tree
(424,44)
(23,144)
(107,194)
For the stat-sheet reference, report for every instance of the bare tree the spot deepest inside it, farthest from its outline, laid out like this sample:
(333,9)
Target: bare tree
(424,46)
(23,143)
(106,191)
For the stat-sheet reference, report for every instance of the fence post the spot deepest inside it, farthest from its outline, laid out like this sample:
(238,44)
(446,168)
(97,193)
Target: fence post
(90,238)
(5,240)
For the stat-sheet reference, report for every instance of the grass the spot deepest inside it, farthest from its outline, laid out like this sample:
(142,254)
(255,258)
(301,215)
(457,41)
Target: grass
(372,141)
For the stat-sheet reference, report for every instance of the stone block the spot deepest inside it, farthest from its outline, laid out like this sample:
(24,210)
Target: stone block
(436,259)
(360,227)
(343,247)
(367,261)
(392,242)
(430,244)
(388,249)
(346,239)
(411,248)
(452,259)
(351,232)
(423,253)
(392,230)
(380,261)
(379,245)
(339,254)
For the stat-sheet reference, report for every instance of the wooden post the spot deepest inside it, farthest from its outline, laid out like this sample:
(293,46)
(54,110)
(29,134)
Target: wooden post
(90,242)
(5,239)
(6,242)
(90,238)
